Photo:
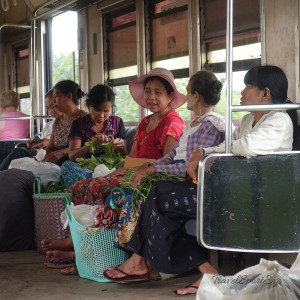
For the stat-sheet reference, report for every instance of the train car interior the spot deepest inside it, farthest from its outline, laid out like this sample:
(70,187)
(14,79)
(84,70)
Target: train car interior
(247,209)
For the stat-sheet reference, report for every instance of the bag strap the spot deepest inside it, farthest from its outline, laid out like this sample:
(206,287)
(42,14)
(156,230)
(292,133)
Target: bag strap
(37,185)
(68,204)
(111,201)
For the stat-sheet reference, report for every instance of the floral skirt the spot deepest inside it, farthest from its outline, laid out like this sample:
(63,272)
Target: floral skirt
(129,214)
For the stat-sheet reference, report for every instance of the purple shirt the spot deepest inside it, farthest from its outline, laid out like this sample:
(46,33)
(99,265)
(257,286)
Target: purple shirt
(81,128)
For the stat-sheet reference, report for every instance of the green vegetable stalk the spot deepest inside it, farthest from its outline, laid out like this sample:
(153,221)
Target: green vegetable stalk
(143,189)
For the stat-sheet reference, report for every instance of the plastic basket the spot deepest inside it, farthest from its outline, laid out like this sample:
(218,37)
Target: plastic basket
(47,210)
(94,249)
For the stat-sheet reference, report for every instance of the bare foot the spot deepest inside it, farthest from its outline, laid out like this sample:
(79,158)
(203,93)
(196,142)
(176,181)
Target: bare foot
(56,255)
(135,265)
(189,289)
(60,244)
(192,288)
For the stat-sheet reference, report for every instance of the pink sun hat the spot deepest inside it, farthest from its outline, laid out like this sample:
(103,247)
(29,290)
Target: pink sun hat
(136,87)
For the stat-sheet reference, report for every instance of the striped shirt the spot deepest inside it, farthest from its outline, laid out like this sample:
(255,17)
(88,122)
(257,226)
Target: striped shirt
(208,134)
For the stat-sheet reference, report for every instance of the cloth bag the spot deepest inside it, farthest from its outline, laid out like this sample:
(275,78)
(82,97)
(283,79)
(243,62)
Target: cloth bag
(46,171)
(266,281)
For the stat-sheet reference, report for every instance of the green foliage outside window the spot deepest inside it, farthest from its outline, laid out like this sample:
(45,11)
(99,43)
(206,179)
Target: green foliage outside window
(63,68)
(127,108)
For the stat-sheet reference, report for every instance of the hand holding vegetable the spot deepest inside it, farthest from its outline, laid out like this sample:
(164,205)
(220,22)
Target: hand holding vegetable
(117,144)
(140,174)
(101,138)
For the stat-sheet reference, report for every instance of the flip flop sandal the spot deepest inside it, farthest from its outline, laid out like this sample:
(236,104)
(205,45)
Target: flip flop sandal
(60,264)
(128,278)
(175,293)
(69,271)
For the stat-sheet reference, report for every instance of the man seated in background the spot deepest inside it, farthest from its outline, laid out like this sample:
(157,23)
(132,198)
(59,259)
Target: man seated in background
(12,129)
(38,142)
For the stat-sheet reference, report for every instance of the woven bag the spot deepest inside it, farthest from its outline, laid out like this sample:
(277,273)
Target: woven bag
(47,210)
(94,249)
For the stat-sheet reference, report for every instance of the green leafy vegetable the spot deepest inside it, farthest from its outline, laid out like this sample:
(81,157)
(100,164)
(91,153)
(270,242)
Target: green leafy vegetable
(110,157)
(143,189)
(52,187)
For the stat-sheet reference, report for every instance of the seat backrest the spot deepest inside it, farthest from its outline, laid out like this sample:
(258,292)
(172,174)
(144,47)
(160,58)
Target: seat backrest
(250,204)
(5,148)
(130,133)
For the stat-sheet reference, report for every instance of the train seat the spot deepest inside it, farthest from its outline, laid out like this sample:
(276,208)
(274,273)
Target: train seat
(249,205)
(130,133)
(6,147)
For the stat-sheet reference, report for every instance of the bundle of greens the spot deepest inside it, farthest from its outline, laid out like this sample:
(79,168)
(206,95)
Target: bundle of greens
(52,187)
(143,189)
(110,157)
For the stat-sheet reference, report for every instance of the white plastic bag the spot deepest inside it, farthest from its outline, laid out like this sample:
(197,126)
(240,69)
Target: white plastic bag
(266,281)
(83,213)
(40,154)
(47,171)
(102,170)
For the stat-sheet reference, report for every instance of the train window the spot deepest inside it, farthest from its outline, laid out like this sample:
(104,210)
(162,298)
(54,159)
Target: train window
(122,59)
(169,42)
(22,77)
(246,43)
(65,60)
(169,35)
(122,40)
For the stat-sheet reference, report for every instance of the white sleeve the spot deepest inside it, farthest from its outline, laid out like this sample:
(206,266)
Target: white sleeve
(46,132)
(274,132)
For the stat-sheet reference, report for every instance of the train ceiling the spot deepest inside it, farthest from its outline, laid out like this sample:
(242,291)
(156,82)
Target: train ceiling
(14,13)
(22,11)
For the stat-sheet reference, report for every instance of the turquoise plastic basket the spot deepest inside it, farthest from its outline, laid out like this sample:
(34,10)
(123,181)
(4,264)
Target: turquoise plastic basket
(94,250)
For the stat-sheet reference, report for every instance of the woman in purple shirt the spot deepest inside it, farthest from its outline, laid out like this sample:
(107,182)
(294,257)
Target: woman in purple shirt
(99,125)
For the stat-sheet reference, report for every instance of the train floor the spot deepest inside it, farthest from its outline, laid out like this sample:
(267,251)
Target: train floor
(24,276)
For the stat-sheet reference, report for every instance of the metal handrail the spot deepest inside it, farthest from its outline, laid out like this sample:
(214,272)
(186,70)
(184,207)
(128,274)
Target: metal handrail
(264,107)
(15,118)
(26,118)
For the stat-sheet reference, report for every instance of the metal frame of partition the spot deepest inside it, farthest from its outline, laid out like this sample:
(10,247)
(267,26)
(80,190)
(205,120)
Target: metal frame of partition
(200,210)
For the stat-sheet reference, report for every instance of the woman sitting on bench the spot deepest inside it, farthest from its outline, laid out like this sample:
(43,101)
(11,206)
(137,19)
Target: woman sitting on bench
(157,134)
(158,242)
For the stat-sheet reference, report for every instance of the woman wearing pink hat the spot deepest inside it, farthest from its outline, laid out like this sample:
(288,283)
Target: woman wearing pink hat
(157,134)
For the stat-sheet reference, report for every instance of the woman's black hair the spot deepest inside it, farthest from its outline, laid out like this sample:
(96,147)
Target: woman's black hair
(100,94)
(49,94)
(166,84)
(270,77)
(273,78)
(207,85)
(69,86)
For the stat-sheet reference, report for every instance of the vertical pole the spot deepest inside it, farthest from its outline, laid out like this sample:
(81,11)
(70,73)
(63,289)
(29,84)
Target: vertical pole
(194,36)
(33,95)
(229,36)
(141,45)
